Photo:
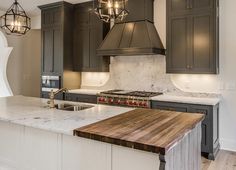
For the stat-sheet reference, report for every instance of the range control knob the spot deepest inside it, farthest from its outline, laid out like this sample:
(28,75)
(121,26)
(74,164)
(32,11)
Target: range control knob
(145,104)
(118,101)
(100,99)
(111,100)
(135,103)
(131,103)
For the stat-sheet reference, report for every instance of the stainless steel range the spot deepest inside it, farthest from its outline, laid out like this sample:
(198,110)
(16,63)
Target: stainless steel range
(139,99)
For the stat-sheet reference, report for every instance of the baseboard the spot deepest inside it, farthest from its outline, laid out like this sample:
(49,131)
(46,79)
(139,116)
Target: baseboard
(227,144)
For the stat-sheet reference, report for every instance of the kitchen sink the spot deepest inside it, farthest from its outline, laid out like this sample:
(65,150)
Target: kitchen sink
(72,108)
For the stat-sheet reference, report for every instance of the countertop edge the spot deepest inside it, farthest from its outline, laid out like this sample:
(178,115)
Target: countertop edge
(197,101)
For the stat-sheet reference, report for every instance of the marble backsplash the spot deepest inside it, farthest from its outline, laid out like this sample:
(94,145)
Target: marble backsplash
(146,73)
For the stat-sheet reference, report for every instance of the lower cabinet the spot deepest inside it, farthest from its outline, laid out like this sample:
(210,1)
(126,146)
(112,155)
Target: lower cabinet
(25,148)
(81,98)
(210,125)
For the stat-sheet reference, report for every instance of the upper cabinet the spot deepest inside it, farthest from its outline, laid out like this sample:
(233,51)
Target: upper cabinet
(56,38)
(89,32)
(192,36)
(189,6)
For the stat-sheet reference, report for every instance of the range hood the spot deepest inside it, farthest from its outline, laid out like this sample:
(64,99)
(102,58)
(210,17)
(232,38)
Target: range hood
(132,38)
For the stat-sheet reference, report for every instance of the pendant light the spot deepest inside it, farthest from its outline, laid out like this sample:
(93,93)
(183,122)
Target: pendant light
(111,10)
(15,20)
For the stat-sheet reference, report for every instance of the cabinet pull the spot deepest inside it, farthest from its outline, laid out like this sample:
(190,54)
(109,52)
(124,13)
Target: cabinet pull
(188,6)
(189,66)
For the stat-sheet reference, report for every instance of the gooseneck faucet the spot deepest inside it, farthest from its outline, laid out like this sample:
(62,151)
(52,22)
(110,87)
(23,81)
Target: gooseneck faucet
(52,95)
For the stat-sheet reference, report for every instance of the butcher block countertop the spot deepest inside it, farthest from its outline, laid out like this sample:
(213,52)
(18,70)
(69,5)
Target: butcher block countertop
(149,130)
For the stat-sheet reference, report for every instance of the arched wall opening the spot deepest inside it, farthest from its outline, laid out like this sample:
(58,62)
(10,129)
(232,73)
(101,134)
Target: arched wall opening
(5,51)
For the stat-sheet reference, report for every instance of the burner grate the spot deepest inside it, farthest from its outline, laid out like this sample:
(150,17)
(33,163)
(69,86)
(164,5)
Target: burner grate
(132,93)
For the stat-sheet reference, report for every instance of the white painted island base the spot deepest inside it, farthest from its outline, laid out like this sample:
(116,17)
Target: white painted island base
(25,148)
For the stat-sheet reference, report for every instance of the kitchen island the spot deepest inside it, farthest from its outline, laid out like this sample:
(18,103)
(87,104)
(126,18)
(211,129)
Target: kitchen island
(36,137)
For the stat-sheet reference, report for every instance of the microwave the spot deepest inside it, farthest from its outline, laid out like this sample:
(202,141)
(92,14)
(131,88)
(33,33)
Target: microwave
(51,83)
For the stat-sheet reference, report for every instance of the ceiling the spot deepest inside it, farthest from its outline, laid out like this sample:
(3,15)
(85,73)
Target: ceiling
(30,6)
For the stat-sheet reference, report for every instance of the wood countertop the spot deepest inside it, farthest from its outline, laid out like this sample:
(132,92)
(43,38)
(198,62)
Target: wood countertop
(149,130)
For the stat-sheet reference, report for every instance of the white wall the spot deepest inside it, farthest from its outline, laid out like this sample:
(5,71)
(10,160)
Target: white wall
(23,69)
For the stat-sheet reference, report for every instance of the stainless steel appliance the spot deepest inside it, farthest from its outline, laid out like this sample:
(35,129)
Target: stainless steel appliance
(51,83)
(139,99)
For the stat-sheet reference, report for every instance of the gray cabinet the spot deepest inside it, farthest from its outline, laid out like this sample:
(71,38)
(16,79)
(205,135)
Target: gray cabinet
(52,52)
(56,37)
(210,125)
(81,98)
(192,36)
(89,32)
(57,44)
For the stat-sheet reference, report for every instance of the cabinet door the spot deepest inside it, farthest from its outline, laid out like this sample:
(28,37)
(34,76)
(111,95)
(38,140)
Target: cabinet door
(178,5)
(47,58)
(202,4)
(47,18)
(57,51)
(81,39)
(203,56)
(57,16)
(96,38)
(178,44)
(52,59)
(206,125)
(205,138)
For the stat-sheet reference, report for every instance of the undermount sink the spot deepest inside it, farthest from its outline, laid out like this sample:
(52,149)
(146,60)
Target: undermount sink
(71,107)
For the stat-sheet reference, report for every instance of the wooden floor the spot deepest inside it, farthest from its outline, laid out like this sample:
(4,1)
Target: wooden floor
(225,160)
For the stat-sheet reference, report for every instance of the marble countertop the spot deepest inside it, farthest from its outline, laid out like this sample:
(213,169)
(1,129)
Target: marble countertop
(187,99)
(33,112)
(85,91)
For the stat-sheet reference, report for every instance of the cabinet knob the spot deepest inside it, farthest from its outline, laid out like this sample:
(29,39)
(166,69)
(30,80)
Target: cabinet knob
(189,66)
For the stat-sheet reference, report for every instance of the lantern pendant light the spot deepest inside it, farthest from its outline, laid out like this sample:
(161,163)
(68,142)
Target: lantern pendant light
(15,20)
(111,10)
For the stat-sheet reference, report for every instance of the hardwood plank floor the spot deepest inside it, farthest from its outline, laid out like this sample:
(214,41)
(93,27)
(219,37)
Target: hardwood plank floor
(225,160)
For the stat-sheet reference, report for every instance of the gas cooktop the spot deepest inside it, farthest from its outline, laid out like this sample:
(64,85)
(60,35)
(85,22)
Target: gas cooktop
(127,98)
(132,93)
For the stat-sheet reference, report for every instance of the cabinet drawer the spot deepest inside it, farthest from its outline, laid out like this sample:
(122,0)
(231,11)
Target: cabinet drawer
(201,109)
(169,106)
(81,98)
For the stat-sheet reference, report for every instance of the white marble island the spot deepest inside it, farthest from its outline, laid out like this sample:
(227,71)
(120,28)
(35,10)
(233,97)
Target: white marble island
(34,137)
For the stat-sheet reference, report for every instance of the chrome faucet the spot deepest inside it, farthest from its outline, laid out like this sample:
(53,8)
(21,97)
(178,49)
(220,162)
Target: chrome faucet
(52,95)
